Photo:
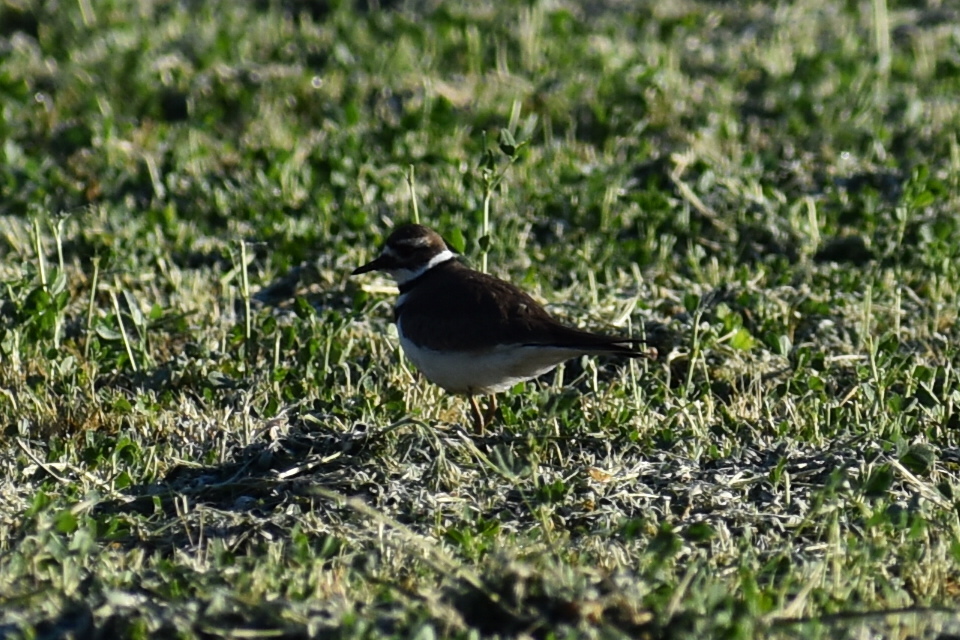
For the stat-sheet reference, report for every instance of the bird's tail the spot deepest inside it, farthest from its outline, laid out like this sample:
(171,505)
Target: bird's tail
(595,343)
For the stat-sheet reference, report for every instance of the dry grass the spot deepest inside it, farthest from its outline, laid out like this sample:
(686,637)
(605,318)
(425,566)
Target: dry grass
(208,427)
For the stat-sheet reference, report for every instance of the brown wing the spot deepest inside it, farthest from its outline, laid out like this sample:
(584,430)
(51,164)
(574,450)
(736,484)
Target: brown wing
(509,316)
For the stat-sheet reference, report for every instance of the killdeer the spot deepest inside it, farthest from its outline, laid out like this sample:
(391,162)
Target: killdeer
(471,333)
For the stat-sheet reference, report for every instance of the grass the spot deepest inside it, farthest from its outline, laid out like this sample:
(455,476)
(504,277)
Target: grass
(208,427)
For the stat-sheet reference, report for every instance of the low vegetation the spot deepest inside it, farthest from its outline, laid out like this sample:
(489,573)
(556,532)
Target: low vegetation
(209,429)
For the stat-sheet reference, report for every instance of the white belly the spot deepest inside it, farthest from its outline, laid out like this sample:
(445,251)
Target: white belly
(484,372)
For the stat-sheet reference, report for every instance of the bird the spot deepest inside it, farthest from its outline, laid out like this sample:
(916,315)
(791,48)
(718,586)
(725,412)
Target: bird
(471,333)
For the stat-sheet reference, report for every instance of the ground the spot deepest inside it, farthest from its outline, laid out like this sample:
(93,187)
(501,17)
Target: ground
(208,427)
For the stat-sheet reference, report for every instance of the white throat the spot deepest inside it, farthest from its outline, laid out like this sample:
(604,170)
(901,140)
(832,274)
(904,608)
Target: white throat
(404,275)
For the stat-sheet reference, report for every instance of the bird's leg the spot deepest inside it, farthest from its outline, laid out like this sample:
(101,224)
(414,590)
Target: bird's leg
(478,418)
(491,413)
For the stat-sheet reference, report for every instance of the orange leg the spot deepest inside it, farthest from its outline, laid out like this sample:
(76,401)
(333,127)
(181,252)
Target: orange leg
(478,418)
(491,413)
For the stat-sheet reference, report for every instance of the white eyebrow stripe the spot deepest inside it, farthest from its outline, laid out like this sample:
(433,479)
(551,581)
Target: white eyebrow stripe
(419,241)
